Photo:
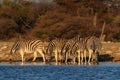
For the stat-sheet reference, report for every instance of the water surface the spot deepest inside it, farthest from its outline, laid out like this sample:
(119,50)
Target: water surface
(42,71)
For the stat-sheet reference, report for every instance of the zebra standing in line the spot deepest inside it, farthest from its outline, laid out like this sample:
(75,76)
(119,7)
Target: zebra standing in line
(93,46)
(28,46)
(67,48)
(78,51)
(55,47)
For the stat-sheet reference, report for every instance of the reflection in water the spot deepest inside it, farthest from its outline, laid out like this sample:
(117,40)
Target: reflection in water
(51,63)
(58,64)
(33,63)
(27,63)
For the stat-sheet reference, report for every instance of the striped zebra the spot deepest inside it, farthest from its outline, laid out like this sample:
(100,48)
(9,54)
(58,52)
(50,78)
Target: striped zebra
(66,50)
(93,46)
(78,51)
(28,46)
(54,47)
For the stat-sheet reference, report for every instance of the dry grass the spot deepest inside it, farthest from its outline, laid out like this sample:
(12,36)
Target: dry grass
(110,52)
(112,49)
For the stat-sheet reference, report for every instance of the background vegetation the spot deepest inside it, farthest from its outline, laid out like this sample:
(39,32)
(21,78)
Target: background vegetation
(60,18)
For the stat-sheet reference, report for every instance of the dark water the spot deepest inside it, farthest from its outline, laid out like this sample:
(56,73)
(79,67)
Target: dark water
(39,71)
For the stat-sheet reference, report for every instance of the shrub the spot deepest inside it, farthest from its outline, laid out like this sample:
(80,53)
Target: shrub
(116,36)
(8,30)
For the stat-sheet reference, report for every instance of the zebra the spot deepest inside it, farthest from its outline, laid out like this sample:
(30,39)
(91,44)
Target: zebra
(93,46)
(78,51)
(55,47)
(66,50)
(28,46)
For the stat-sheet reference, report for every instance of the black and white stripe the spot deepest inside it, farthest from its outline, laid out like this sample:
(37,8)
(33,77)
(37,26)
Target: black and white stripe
(93,46)
(66,50)
(78,51)
(54,48)
(28,46)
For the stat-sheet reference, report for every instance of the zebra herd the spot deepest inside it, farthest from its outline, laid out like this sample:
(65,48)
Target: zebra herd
(76,50)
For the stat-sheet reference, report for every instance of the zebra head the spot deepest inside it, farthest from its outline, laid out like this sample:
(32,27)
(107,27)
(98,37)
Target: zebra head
(48,57)
(13,50)
(11,54)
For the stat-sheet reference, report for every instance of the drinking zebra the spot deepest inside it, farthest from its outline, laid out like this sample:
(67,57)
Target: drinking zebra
(28,46)
(66,50)
(93,46)
(78,51)
(55,47)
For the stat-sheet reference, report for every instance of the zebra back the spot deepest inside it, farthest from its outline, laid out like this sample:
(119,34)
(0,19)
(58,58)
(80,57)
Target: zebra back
(94,43)
(27,45)
(70,43)
(79,45)
(55,44)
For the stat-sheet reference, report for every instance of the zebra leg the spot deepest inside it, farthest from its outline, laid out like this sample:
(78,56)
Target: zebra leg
(95,56)
(56,56)
(92,58)
(60,57)
(90,55)
(84,52)
(66,57)
(22,55)
(35,55)
(42,54)
(79,57)
(82,57)
(74,58)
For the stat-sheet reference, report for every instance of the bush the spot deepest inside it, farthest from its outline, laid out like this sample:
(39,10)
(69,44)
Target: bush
(117,20)
(116,36)
(8,30)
